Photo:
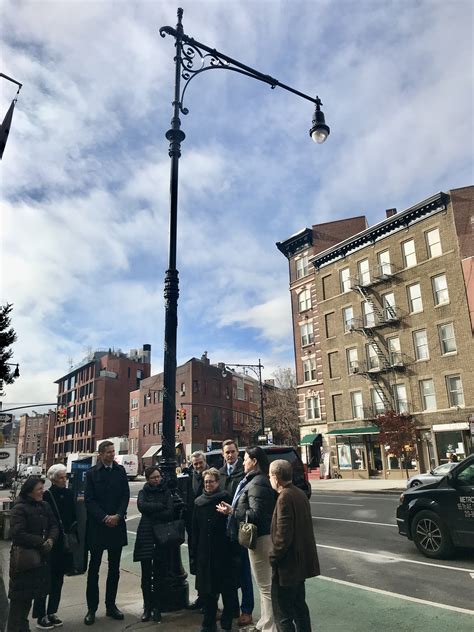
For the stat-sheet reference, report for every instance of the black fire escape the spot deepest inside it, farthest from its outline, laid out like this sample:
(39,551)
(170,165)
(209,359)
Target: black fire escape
(382,365)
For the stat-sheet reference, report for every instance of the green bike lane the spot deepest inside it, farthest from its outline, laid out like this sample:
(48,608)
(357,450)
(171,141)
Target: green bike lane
(338,606)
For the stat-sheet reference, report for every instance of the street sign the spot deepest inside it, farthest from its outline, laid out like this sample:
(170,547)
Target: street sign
(5,417)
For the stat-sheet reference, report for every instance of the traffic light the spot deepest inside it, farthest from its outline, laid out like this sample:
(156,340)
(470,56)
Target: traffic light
(61,415)
(183,414)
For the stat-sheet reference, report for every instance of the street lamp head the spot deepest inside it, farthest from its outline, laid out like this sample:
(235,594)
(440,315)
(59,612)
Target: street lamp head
(16,372)
(319,130)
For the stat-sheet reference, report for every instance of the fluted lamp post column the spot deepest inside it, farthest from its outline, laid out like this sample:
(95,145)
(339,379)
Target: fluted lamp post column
(191,59)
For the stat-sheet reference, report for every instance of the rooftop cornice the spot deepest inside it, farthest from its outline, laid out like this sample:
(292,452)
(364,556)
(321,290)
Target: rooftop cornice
(296,242)
(390,225)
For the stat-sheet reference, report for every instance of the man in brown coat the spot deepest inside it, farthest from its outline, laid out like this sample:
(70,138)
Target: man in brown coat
(293,556)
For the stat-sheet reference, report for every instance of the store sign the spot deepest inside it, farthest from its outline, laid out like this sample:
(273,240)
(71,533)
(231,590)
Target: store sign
(460,425)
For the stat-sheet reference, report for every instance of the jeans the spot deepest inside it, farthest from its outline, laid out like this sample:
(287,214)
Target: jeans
(246,582)
(262,572)
(113,575)
(289,607)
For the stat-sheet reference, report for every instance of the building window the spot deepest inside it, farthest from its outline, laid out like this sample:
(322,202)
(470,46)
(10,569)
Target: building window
(400,396)
(306,333)
(347,318)
(364,272)
(182,390)
(447,339)
(333,361)
(240,389)
(385,267)
(414,298)
(144,430)
(368,314)
(313,408)
(455,391)
(378,405)
(394,350)
(433,243)
(389,307)
(352,360)
(409,253)
(326,284)
(304,300)
(195,386)
(309,369)
(154,427)
(330,325)
(428,395)
(195,422)
(160,428)
(302,267)
(420,343)
(440,289)
(345,280)
(337,407)
(373,360)
(357,405)
(145,399)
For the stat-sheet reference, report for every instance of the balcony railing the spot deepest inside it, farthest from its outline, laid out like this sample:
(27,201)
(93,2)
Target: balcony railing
(377,274)
(394,361)
(373,320)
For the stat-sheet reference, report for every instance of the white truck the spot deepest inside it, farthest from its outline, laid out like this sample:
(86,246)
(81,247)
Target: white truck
(128,461)
(7,465)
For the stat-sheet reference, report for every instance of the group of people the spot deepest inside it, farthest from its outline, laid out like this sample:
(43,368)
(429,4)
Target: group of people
(218,502)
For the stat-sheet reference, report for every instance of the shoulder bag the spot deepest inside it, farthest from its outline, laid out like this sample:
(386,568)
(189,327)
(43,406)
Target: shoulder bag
(169,533)
(248,533)
(23,559)
(70,538)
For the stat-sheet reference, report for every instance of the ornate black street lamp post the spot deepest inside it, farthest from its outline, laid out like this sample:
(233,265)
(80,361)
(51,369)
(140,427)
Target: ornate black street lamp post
(191,59)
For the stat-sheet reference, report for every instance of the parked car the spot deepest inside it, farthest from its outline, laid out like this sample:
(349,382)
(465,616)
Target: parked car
(439,516)
(274,452)
(435,474)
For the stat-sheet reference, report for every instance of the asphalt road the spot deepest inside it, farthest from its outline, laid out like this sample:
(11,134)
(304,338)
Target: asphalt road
(358,543)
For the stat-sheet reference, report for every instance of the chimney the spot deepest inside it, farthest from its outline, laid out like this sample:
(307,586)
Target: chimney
(390,212)
(204,358)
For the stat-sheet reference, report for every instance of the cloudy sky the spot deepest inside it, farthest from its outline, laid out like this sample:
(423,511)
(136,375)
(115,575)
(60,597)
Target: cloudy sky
(84,177)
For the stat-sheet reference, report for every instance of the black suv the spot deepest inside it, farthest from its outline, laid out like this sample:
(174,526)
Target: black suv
(440,516)
(300,475)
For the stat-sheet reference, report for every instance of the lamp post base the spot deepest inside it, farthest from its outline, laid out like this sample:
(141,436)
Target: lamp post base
(174,588)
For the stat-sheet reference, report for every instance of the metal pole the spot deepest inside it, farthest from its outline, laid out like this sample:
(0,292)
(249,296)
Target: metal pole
(261,396)
(175,593)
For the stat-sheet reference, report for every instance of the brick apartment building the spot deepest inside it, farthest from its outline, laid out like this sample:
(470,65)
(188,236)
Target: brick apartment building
(395,305)
(93,399)
(34,438)
(299,249)
(218,404)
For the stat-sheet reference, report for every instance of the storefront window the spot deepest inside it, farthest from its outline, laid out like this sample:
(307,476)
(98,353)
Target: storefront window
(448,443)
(358,456)
(344,456)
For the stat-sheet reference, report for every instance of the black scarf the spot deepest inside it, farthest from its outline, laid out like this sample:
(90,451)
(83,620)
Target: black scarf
(211,499)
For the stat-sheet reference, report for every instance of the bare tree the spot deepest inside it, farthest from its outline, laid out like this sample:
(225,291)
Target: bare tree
(281,407)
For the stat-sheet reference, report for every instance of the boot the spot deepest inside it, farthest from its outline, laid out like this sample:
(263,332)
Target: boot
(146,616)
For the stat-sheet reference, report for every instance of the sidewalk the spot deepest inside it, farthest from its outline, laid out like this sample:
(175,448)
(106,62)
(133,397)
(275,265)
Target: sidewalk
(335,606)
(377,486)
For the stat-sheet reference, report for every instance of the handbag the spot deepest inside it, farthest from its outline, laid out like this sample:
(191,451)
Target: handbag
(248,534)
(71,537)
(23,559)
(169,533)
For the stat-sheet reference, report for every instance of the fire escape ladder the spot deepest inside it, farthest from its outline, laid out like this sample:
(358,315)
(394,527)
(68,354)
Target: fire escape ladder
(364,292)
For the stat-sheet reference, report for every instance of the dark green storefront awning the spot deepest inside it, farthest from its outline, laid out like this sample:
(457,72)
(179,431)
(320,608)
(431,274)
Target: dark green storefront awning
(308,439)
(355,431)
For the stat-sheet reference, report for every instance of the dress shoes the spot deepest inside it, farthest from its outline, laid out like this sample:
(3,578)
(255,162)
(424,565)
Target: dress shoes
(114,613)
(244,619)
(146,616)
(89,619)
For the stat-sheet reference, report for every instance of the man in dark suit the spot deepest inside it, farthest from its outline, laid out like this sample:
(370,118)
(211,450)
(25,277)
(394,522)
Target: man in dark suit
(293,556)
(106,498)
(231,474)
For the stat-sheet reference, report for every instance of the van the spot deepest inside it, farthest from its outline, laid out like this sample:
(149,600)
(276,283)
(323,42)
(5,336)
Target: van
(130,463)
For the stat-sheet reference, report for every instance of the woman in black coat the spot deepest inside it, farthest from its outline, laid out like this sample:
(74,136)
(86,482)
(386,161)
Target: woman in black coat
(214,556)
(254,500)
(155,503)
(33,528)
(61,501)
